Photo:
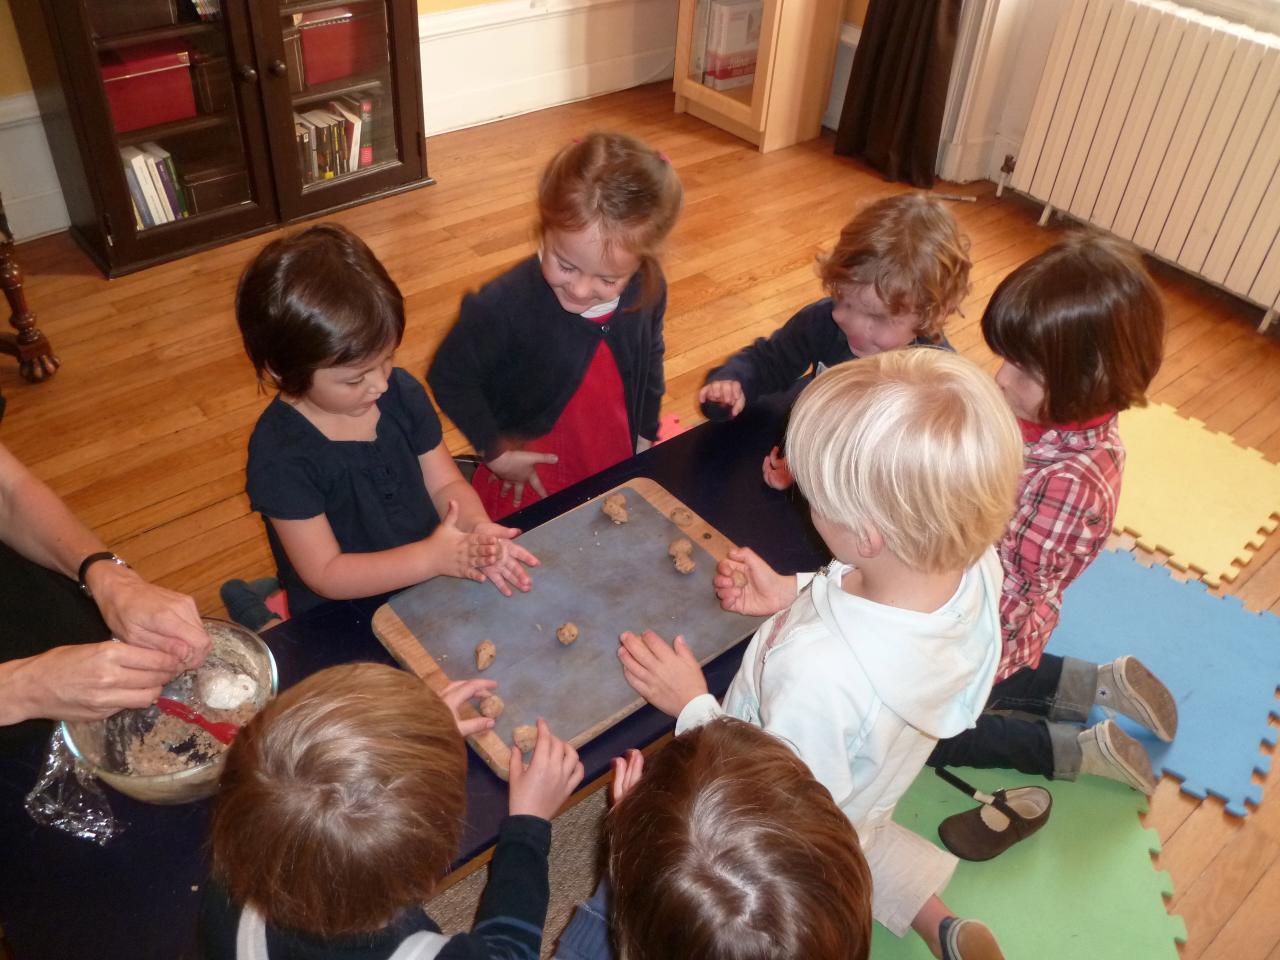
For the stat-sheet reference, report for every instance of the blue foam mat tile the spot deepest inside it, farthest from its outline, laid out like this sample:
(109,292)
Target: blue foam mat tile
(1221,661)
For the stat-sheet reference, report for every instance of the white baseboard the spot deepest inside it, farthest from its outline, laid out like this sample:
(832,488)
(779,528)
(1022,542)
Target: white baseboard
(501,59)
(28,181)
(849,36)
(967,160)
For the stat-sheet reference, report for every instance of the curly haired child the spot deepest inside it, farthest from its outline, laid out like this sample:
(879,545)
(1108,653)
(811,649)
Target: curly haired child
(898,271)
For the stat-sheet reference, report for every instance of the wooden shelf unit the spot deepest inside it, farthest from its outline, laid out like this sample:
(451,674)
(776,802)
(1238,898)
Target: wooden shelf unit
(784,103)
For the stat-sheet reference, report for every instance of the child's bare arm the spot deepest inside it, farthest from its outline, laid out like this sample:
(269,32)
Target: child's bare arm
(746,584)
(314,552)
(444,482)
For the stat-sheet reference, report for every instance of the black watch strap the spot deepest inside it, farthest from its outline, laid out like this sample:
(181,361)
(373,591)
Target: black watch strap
(89,561)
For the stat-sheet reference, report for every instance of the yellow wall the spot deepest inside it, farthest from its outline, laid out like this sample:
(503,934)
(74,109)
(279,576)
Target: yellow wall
(435,6)
(13,71)
(855,11)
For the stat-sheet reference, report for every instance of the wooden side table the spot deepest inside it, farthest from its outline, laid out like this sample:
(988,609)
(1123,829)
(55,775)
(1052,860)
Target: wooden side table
(36,359)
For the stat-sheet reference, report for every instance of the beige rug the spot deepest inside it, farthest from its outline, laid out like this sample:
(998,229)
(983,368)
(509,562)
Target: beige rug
(575,870)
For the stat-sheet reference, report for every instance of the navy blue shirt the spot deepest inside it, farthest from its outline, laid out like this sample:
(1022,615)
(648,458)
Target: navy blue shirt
(371,491)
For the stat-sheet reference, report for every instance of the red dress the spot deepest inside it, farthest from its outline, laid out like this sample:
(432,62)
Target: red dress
(591,434)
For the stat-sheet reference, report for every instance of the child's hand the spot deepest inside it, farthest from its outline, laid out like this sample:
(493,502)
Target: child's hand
(746,584)
(725,392)
(667,676)
(459,554)
(776,472)
(626,774)
(541,788)
(508,570)
(459,692)
(516,468)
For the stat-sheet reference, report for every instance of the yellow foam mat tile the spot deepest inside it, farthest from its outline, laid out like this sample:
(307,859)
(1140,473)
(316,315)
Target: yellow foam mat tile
(1194,494)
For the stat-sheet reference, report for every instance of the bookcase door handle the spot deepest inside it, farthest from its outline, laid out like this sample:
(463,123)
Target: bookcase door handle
(278,68)
(248,74)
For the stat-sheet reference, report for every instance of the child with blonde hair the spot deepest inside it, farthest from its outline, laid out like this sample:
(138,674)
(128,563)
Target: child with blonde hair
(722,846)
(341,807)
(554,369)
(347,464)
(898,271)
(909,461)
(1080,331)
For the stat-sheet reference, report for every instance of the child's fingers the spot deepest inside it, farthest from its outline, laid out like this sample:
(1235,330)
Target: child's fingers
(536,482)
(469,728)
(515,768)
(517,552)
(638,652)
(450,518)
(682,650)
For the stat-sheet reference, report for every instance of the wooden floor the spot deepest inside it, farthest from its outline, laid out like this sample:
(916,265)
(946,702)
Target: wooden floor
(143,431)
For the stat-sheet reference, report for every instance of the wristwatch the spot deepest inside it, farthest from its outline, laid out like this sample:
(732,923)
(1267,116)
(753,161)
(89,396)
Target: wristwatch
(90,560)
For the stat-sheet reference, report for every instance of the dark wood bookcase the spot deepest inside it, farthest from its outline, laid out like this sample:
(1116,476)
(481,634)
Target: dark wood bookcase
(177,125)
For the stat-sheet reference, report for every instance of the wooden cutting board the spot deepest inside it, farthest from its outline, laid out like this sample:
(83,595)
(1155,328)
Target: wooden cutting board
(606,578)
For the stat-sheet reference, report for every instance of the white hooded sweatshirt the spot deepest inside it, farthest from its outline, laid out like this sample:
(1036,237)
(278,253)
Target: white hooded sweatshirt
(862,691)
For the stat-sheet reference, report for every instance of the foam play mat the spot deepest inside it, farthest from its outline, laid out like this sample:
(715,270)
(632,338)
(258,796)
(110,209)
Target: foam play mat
(1083,886)
(1193,494)
(1221,661)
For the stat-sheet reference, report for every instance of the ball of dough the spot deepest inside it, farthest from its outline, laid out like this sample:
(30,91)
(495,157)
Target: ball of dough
(681,517)
(525,737)
(683,563)
(615,508)
(739,578)
(486,653)
(679,546)
(566,633)
(491,706)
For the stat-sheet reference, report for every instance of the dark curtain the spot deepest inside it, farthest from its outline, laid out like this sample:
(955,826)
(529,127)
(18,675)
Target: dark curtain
(892,116)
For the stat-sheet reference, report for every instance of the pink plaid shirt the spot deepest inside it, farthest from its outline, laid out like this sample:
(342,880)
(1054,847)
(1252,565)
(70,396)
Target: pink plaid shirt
(1066,507)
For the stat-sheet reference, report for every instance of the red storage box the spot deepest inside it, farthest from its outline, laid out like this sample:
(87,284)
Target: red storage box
(337,43)
(148,84)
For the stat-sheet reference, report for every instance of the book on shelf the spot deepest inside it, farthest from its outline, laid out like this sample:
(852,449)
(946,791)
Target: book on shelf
(351,130)
(733,40)
(136,160)
(303,138)
(698,42)
(312,143)
(329,139)
(363,107)
(162,160)
(141,211)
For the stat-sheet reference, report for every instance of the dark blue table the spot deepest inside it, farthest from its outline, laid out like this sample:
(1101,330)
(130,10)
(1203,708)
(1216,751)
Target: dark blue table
(137,898)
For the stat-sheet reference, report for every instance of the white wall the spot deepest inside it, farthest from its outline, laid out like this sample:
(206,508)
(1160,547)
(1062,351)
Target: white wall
(32,196)
(1001,51)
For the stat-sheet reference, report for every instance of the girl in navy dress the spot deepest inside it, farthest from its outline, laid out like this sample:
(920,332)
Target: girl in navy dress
(346,464)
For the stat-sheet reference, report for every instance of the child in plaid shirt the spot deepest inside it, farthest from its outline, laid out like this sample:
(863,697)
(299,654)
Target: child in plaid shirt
(1080,329)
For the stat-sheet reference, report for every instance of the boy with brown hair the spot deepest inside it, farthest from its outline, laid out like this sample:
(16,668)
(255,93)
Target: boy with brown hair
(726,849)
(909,461)
(898,271)
(341,807)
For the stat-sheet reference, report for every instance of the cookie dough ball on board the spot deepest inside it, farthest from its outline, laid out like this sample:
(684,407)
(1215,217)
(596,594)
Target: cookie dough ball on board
(492,706)
(566,633)
(681,553)
(615,508)
(681,517)
(486,653)
(525,737)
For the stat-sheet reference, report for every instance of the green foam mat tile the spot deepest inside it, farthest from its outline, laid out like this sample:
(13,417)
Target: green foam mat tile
(1083,886)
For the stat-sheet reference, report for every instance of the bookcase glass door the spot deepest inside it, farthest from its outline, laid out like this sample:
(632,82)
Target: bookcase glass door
(724,46)
(342,100)
(170,82)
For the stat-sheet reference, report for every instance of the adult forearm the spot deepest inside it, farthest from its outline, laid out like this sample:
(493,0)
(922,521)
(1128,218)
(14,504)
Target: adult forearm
(38,525)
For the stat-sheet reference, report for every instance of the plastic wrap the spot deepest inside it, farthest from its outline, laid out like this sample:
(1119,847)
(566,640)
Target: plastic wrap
(68,797)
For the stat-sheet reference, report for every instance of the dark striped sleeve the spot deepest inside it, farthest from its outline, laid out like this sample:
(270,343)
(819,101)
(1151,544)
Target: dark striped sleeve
(513,908)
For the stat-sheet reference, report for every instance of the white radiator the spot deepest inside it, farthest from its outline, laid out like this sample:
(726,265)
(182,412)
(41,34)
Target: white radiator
(1161,124)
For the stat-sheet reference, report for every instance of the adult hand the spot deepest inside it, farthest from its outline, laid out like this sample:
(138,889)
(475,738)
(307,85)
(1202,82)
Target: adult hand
(508,570)
(517,468)
(85,681)
(627,771)
(541,788)
(145,615)
(459,692)
(725,392)
(459,554)
(775,471)
(667,676)
(746,584)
